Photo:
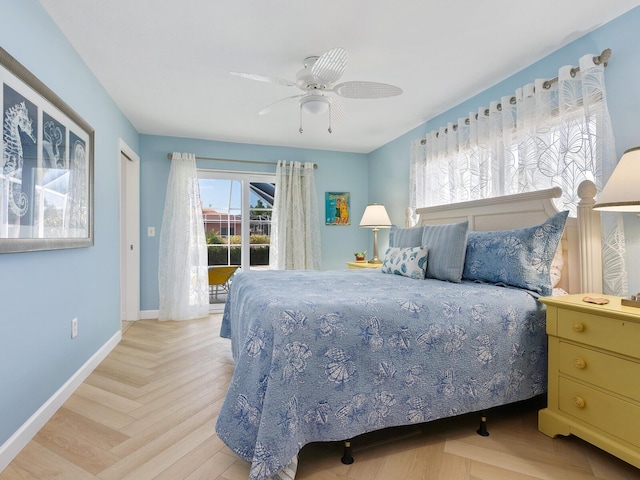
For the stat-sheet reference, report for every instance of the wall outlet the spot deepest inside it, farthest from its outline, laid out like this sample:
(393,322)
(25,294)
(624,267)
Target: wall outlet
(74,327)
(151,231)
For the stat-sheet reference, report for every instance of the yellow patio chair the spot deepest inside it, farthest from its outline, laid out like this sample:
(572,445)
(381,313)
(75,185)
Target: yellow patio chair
(220,277)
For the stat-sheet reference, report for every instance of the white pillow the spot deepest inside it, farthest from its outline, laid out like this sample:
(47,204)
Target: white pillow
(409,262)
(555,270)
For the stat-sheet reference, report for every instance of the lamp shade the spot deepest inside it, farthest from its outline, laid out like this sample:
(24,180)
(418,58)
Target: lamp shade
(622,191)
(375,215)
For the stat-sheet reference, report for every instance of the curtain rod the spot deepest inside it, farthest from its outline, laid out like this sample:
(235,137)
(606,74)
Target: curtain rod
(315,165)
(603,59)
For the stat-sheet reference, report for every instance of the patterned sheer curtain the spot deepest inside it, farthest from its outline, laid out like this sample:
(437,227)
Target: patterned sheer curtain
(295,233)
(548,134)
(182,266)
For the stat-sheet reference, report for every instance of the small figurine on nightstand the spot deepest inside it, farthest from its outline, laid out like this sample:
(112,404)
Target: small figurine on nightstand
(360,256)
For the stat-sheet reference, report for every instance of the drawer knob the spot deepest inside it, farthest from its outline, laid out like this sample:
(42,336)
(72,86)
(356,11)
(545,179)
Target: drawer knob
(578,327)
(580,363)
(578,402)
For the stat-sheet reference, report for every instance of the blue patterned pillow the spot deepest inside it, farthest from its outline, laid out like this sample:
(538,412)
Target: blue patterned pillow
(519,258)
(447,245)
(410,262)
(405,237)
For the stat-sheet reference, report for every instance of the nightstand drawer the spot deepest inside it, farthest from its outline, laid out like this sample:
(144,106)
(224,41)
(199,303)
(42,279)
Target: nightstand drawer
(610,414)
(620,336)
(601,369)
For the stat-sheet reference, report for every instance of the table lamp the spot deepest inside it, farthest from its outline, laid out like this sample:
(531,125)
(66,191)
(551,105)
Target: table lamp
(622,194)
(375,216)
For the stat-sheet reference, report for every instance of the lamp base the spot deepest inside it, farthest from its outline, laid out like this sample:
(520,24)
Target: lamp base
(634,301)
(375,260)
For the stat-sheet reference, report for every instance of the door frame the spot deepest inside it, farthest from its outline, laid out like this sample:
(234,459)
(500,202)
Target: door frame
(129,173)
(245,178)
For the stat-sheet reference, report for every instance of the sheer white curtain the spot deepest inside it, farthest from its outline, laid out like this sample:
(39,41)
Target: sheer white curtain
(548,134)
(183,281)
(295,233)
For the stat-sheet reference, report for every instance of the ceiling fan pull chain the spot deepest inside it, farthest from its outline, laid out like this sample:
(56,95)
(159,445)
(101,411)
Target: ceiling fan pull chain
(300,129)
(330,118)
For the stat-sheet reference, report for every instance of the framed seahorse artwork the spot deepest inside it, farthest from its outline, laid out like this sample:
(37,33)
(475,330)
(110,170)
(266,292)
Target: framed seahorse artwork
(46,168)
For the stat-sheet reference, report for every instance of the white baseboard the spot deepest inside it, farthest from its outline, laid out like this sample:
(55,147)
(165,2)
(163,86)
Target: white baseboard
(10,449)
(149,314)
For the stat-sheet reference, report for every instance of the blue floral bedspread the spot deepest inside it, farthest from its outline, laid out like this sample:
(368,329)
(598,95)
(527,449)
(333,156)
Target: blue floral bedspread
(323,356)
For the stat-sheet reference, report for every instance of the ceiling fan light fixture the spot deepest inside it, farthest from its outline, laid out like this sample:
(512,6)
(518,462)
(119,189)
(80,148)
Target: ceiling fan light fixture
(317,78)
(314,104)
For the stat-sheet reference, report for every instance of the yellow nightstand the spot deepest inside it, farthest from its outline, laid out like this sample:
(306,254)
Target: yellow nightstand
(594,372)
(354,265)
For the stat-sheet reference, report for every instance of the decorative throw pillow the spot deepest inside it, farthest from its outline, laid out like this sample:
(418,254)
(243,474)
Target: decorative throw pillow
(405,237)
(447,245)
(519,258)
(555,271)
(409,262)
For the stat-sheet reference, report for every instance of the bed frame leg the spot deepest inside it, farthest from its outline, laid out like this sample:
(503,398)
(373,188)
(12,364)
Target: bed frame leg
(483,427)
(347,458)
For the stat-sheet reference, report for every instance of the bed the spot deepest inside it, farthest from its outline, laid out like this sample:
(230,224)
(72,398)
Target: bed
(329,355)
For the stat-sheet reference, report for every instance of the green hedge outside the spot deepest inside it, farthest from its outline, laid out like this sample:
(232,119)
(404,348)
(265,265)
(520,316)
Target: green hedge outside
(258,254)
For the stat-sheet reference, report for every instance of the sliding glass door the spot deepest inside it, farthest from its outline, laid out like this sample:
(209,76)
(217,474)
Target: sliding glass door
(237,209)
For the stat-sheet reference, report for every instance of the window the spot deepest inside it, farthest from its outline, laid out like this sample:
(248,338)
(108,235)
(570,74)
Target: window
(488,157)
(234,203)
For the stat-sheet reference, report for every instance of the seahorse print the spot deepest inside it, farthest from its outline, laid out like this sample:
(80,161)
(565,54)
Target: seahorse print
(16,121)
(76,218)
(52,143)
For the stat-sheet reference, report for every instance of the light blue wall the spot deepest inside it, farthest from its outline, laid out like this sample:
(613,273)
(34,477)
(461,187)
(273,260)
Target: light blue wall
(41,292)
(337,172)
(389,165)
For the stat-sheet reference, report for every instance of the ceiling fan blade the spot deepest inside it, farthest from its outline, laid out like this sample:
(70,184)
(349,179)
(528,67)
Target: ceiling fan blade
(357,89)
(337,110)
(264,78)
(268,108)
(330,66)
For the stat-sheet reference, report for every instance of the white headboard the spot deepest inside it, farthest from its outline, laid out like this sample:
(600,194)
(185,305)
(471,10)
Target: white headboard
(581,242)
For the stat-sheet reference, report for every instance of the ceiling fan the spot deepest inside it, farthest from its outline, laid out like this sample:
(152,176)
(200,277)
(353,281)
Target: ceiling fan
(317,78)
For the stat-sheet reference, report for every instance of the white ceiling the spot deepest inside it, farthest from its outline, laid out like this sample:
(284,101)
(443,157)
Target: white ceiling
(166,63)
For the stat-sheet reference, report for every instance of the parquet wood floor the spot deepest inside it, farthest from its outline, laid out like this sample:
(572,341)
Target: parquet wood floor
(148,412)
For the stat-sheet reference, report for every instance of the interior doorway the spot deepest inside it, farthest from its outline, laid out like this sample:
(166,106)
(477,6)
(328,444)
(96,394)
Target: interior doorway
(129,234)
